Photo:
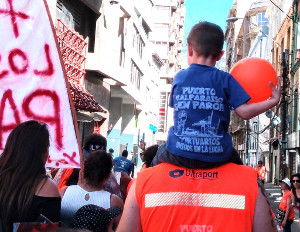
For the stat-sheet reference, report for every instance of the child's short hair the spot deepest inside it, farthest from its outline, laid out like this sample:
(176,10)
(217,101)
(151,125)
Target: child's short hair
(207,39)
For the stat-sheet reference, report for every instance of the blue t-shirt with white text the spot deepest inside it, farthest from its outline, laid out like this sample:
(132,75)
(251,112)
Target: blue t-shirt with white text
(202,97)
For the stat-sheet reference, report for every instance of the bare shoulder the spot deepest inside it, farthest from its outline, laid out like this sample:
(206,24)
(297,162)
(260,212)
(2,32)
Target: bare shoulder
(116,201)
(62,191)
(47,188)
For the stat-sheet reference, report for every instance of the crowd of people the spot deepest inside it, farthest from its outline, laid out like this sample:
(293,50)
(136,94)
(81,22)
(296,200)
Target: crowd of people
(193,182)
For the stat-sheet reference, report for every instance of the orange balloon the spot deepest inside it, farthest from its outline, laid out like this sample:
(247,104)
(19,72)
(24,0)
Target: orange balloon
(254,75)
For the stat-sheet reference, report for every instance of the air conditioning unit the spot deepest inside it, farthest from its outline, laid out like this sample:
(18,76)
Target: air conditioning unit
(113,2)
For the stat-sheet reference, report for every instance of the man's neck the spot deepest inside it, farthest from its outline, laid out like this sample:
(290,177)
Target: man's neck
(202,60)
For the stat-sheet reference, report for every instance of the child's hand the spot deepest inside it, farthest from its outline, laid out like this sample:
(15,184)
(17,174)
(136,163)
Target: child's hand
(275,91)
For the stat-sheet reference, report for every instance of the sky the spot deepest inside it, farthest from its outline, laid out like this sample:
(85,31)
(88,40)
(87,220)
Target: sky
(215,11)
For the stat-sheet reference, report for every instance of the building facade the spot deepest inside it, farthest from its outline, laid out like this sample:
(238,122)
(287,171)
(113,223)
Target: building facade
(250,138)
(124,64)
(276,133)
(167,38)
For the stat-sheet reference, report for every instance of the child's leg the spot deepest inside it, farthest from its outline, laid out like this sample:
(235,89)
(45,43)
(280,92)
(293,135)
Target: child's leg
(163,156)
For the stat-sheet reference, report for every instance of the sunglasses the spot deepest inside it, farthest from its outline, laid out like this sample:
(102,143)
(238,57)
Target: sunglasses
(294,181)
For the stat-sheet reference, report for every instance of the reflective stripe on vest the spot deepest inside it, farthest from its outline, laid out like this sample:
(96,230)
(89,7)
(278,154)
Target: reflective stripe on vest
(225,201)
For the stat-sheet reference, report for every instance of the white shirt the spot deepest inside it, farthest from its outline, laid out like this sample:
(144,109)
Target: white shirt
(75,197)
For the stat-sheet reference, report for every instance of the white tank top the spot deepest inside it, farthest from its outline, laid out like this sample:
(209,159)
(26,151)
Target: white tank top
(74,198)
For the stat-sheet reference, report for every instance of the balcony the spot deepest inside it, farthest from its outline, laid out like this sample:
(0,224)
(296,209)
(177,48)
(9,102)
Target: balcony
(172,58)
(293,140)
(174,4)
(179,47)
(181,22)
(172,37)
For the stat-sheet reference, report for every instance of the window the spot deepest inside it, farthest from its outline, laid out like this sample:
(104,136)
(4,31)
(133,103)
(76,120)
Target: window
(261,20)
(137,42)
(79,17)
(161,25)
(135,75)
(163,13)
(295,109)
(162,112)
(298,36)
(123,32)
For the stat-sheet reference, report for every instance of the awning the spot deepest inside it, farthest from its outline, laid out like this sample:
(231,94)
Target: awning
(73,51)
(83,100)
(85,116)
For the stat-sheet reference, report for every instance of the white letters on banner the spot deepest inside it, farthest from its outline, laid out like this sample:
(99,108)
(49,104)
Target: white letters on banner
(32,82)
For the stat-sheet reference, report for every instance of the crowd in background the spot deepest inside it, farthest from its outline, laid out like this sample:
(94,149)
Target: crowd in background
(89,198)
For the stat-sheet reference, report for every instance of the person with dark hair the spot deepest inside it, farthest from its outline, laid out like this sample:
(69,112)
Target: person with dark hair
(25,190)
(285,205)
(122,164)
(111,152)
(95,218)
(296,192)
(91,143)
(147,156)
(94,142)
(70,176)
(194,173)
(97,169)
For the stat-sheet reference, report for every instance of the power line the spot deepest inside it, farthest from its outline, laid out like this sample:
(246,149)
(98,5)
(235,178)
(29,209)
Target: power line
(282,11)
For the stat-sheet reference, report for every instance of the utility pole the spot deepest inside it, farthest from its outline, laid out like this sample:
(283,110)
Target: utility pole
(285,71)
(247,157)
(257,141)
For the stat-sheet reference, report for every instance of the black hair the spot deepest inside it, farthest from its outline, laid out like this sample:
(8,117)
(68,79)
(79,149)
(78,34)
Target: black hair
(149,154)
(97,167)
(22,168)
(294,175)
(125,153)
(111,150)
(95,142)
(206,39)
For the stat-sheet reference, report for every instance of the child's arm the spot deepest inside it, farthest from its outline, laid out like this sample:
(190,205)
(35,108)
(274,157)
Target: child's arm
(247,111)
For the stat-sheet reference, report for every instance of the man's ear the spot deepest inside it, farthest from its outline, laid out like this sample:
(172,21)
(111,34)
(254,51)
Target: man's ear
(190,49)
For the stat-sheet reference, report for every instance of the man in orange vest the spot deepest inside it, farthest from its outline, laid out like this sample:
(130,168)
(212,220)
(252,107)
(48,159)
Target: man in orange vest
(170,198)
(202,187)
(261,171)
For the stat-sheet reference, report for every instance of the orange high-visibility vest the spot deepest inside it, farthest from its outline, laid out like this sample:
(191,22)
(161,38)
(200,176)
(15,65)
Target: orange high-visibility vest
(283,204)
(261,172)
(177,199)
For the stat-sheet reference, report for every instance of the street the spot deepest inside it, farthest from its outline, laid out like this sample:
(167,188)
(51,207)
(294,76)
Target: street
(275,195)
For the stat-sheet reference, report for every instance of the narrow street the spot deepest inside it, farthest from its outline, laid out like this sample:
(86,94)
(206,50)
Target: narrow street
(275,197)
